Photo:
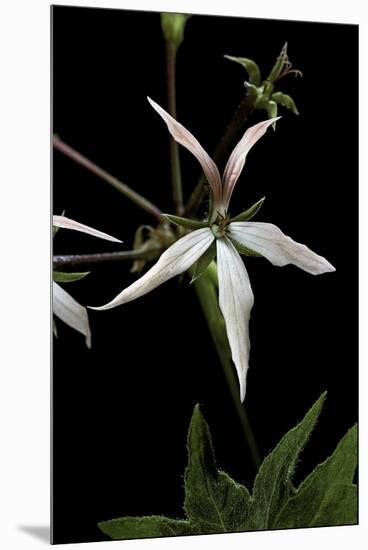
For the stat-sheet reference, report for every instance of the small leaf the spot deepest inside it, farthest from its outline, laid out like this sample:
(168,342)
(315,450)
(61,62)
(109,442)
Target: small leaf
(250,213)
(143,527)
(286,101)
(339,507)
(339,468)
(204,261)
(214,502)
(185,222)
(272,486)
(244,250)
(62,277)
(250,66)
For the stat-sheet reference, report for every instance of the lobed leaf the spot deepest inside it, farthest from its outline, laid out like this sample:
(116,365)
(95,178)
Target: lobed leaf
(272,486)
(338,469)
(214,502)
(143,527)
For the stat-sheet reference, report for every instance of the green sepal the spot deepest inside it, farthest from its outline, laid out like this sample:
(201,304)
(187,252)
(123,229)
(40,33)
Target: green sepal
(279,65)
(203,262)
(316,491)
(62,277)
(249,213)
(244,250)
(272,486)
(173,25)
(185,222)
(250,66)
(252,91)
(271,108)
(145,527)
(214,502)
(285,100)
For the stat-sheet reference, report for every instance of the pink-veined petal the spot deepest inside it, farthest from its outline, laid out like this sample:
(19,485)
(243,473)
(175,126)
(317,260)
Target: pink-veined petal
(175,260)
(66,308)
(67,223)
(267,239)
(236,301)
(236,161)
(185,138)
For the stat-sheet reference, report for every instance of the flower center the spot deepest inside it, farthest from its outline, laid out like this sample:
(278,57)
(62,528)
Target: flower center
(218,230)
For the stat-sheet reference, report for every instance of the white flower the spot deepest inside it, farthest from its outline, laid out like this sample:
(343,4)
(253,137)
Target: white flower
(64,306)
(235,292)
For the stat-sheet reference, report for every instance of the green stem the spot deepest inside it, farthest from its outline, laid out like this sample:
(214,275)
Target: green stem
(176,182)
(244,109)
(205,287)
(111,180)
(73,260)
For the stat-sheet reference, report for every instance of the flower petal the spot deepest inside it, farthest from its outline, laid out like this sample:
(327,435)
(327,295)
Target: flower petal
(175,260)
(267,239)
(70,312)
(236,301)
(185,138)
(67,223)
(236,161)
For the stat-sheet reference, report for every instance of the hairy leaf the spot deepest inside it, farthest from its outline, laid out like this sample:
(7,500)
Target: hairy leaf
(272,486)
(214,502)
(339,468)
(339,507)
(143,527)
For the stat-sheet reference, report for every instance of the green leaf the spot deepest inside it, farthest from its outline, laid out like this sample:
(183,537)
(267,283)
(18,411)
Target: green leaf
(62,277)
(185,222)
(250,213)
(339,468)
(250,66)
(204,261)
(54,329)
(56,229)
(244,249)
(339,507)
(286,101)
(272,486)
(214,502)
(143,527)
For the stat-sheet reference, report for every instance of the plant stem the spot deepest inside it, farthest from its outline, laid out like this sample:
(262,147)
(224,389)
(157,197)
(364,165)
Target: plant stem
(73,260)
(242,112)
(176,182)
(207,294)
(111,180)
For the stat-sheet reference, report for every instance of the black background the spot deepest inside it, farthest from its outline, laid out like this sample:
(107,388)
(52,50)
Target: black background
(121,410)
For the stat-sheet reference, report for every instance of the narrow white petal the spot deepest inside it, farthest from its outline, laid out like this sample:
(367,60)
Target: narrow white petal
(185,138)
(267,239)
(70,312)
(67,223)
(236,301)
(175,260)
(236,161)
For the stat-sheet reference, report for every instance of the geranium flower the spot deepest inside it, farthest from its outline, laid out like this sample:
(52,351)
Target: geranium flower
(64,306)
(265,239)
